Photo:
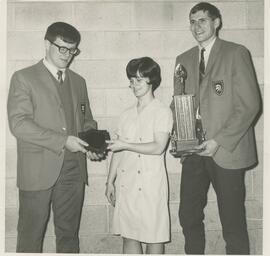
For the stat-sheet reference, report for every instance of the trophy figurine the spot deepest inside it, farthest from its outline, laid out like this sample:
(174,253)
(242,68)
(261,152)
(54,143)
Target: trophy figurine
(188,131)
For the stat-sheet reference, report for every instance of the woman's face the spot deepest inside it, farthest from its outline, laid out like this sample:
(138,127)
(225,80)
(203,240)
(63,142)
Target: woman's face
(140,85)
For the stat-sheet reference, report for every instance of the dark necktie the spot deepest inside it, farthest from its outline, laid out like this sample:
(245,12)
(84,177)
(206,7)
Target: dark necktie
(201,75)
(200,134)
(60,76)
(202,65)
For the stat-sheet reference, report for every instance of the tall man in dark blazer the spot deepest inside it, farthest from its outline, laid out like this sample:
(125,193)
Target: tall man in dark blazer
(47,106)
(227,101)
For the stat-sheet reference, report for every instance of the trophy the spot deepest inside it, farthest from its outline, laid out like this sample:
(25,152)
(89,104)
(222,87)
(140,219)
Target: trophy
(188,131)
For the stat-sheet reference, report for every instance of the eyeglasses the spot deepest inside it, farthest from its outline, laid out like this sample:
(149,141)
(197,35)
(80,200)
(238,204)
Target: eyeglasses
(63,49)
(135,81)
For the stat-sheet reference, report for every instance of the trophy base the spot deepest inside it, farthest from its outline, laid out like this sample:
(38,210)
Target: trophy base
(184,147)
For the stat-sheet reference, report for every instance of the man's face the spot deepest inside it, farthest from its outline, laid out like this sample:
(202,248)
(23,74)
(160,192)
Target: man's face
(203,28)
(59,60)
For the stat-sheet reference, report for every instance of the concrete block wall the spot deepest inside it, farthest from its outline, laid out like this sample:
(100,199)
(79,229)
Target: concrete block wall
(113,32)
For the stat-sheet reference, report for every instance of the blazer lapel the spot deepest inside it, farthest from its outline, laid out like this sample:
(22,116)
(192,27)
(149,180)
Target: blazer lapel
(195,65)
(47,80)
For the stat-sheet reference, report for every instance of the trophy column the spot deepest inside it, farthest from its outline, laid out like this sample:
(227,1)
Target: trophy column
(185,136)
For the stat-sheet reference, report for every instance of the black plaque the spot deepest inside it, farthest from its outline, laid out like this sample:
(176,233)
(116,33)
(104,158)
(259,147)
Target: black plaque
(96,140)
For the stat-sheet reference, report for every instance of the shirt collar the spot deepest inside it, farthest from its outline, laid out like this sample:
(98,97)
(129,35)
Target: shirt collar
(53,70)
(209,46)
(207,49)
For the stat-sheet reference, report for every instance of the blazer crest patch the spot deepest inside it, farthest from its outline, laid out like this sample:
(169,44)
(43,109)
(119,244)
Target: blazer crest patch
(218,87)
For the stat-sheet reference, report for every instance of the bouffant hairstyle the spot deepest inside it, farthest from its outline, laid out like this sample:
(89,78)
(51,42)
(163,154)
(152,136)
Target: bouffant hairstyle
(147,68)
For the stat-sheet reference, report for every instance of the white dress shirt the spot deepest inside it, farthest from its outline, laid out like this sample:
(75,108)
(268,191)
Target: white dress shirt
(53,69)
(207,51)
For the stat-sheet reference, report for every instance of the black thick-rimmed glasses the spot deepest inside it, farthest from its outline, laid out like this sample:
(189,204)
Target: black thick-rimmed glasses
(63,49)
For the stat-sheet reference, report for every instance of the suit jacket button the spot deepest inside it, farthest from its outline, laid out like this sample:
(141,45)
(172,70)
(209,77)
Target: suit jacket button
(64,128)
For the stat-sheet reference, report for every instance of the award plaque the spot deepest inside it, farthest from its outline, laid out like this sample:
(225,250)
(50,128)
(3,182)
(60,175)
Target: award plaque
(188,131)
(96,140)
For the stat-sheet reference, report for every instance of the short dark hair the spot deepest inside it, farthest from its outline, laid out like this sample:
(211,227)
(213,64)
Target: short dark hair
(147,68)
(64,31)
(213,11)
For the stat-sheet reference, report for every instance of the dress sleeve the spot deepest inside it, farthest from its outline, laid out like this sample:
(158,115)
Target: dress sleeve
(119,130)
(163,120)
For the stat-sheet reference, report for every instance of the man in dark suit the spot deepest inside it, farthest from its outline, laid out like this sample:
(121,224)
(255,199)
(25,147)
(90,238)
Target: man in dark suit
(47,106)
(221,75)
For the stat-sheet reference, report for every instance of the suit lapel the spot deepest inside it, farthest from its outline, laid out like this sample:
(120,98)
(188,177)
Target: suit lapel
(47,80)
(195,65)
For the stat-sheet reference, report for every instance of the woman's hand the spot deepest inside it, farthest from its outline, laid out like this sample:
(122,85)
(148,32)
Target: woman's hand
(110,193)
(117,145)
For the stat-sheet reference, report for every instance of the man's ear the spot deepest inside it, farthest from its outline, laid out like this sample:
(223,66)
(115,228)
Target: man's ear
(217,22)
(47,44)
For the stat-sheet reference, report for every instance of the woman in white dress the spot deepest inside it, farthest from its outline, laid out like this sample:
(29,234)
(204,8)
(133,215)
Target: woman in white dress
(137,182)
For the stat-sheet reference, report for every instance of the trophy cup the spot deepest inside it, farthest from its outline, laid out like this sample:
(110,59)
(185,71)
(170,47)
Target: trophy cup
(188,131)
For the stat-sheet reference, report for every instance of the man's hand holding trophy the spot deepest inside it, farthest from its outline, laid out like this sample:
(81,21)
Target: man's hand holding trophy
(188,132)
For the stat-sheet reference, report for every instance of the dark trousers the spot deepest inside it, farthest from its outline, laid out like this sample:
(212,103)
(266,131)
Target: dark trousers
(197,174)
(66,199)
